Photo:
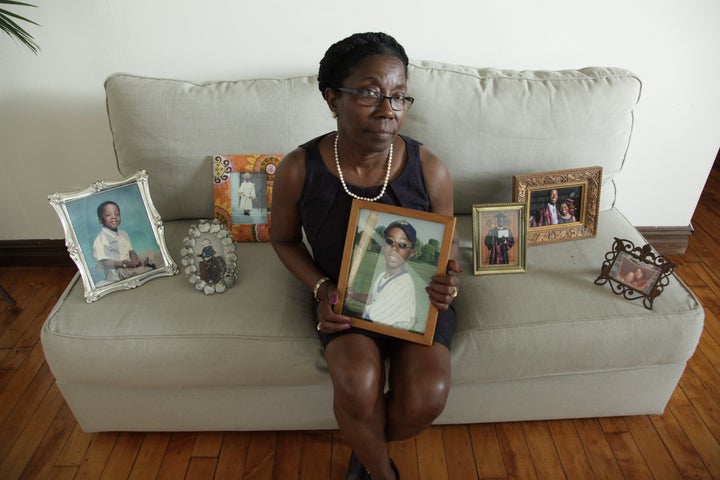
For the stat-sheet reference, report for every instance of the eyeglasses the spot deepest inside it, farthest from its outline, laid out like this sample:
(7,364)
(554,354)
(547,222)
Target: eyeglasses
(371,98)
(401,245)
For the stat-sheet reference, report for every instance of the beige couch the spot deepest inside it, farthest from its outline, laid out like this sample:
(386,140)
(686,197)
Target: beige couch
(547,343)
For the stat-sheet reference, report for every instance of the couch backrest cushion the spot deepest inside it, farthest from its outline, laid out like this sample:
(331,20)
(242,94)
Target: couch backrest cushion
(486,124)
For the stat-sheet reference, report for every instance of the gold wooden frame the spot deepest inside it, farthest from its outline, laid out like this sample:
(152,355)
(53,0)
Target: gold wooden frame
(482,216)
(582,184)
(363,262)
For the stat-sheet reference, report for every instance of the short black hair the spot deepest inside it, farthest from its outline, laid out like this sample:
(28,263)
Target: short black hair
(342,56)
(101,208)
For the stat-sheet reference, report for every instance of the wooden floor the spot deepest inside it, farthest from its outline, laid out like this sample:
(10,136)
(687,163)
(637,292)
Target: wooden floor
(39,437)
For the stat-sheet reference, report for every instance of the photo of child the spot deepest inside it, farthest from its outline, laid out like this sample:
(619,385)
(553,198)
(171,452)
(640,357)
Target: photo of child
(113,250)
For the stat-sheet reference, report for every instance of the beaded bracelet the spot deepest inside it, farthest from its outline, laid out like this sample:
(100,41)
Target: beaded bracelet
(317,286)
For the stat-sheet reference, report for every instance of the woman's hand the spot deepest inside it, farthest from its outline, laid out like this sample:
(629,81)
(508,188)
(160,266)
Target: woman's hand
(328,320)
(444,288)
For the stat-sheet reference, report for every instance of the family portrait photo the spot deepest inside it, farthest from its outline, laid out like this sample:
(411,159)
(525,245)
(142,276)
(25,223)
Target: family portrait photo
(556,206)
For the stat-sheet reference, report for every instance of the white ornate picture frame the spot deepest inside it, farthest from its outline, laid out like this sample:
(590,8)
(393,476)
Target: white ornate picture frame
(209,258)
(139,226)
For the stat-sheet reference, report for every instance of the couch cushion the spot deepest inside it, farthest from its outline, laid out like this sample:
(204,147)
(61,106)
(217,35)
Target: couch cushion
(508,122)
(551,320)
(505,122)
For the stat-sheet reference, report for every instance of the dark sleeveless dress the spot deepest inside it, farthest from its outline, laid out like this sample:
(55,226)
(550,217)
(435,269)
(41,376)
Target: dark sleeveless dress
(325,213)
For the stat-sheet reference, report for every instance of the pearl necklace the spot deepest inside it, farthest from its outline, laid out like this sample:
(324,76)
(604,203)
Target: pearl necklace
(342,179)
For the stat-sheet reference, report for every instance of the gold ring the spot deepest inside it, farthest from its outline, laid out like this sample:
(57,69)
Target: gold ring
(317,327)
(454,293)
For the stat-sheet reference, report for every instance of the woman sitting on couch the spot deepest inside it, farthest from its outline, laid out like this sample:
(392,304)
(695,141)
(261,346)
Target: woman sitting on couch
(363,80)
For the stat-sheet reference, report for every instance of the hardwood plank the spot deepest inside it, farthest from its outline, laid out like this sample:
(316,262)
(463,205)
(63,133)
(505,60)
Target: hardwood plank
(487,451)
(207,444)
(405,455)
(292,451)
(233,455)
(516,455)
(459,452)
(149,457)
(542,451)
(41,464)
(201,468)
(27,442)
(31,314)
(570,450)
(123,456)
(62,473)
(93,463)
(341,457)
(22,413)
(177,455)
(597,449)
(628,456)
(431,455)
(684,455)
(74,449)
(699,434)
(261,455)
(22,379)
(316,450)
(702,401)
(652,448)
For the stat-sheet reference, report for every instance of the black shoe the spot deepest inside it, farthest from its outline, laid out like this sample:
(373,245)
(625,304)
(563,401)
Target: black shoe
(356,470)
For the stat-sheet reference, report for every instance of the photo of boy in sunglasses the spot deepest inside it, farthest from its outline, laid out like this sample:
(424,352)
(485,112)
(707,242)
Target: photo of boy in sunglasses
(391,299)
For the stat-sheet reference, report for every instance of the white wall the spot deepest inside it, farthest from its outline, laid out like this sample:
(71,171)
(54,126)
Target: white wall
(54,134)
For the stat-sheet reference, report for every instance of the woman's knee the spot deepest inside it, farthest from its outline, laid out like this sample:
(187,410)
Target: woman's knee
(357,392)
(422,403)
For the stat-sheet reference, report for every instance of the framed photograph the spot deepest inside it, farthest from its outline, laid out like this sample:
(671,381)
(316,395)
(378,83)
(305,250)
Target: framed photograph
(499,238)
(242,191)
(209,257)
(389,257)
(635,272)
(560,205)
(114,235)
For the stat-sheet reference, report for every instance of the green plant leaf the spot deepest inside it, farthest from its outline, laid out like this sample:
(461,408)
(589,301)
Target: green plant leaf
(14,30)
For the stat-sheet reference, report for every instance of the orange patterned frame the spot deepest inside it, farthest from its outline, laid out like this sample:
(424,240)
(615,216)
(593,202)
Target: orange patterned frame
(227,173)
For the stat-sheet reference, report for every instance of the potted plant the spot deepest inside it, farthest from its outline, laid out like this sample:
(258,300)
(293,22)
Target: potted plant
(9,26)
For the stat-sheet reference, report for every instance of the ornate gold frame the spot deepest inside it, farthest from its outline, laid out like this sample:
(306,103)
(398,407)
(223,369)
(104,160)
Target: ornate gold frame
(584,183)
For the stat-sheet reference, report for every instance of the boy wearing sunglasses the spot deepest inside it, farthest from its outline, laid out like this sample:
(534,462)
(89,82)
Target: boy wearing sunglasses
(391,299)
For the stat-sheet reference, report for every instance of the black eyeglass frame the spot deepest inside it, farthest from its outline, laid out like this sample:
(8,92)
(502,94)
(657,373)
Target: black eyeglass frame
(379,98)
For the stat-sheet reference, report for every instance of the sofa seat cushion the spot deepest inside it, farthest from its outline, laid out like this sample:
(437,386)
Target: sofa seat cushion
(553,319)
(550,320)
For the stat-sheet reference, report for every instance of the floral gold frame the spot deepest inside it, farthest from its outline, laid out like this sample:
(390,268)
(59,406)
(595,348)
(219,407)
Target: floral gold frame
(246,213)
(499,238)
(369,265)
(578,189)
(635,272)
(139,221)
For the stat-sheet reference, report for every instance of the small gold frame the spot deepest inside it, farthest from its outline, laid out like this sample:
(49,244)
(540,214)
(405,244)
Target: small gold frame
(499,249)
